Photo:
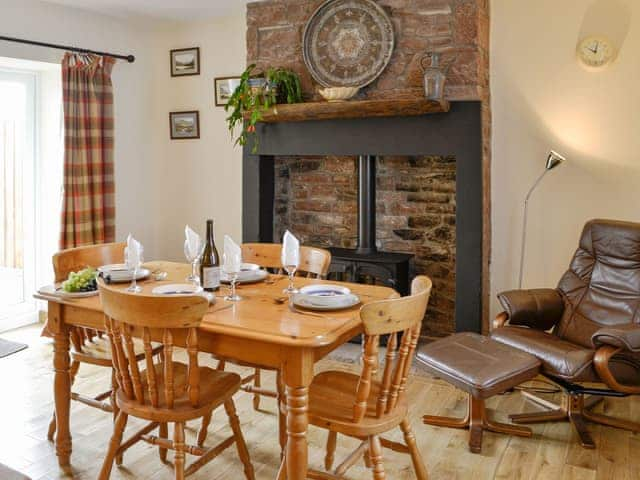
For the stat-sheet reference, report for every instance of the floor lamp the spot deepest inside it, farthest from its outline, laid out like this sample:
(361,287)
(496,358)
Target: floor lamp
(553,160)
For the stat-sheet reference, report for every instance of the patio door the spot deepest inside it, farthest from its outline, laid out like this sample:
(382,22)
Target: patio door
(17,198)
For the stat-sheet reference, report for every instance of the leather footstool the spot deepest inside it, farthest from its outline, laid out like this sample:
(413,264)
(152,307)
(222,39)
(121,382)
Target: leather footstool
(482,367)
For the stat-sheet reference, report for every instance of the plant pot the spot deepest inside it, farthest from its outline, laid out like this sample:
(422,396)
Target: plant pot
(257,85)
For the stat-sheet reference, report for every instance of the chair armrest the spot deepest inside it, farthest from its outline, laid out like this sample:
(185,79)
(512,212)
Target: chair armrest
(539,308)
(601,361)
(625,336)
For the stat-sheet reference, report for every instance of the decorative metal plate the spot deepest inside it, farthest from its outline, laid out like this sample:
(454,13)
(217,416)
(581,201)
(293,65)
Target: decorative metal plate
(348,43)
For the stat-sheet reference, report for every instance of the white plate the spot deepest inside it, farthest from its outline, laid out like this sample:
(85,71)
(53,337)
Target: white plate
(113,267)
(57,291)
(325,290)
(340,303)
(325,295)
(118,273)
(177,289)
(246,276)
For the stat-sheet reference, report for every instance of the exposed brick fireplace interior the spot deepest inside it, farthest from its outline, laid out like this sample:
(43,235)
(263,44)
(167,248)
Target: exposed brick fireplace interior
(315,198)
(315,195)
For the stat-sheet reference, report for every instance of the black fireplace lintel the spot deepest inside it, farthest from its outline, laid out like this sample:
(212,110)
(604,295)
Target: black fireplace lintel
(457,133)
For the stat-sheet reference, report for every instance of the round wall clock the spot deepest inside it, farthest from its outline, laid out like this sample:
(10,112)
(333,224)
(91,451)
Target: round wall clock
(596,52)
(348,43)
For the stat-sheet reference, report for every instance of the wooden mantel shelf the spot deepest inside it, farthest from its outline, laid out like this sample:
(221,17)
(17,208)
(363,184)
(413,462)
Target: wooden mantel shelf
(299,112)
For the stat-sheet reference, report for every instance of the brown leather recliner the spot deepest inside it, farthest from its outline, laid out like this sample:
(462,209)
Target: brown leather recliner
(593,317)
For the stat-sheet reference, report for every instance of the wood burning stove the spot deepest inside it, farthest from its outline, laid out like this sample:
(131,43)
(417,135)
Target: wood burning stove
(366,264)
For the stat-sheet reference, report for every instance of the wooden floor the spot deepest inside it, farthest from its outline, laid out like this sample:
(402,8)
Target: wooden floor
(26,404)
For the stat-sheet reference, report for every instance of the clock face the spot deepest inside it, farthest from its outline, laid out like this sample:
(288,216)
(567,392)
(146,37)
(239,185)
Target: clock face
(596,52)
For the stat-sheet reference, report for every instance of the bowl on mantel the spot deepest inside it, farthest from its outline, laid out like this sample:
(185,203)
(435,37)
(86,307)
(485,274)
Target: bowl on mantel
(338,94)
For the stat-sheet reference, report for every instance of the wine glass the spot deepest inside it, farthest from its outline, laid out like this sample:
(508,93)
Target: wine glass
(231,266)
(291,271)
(193,257)
(133,262)
(290,262)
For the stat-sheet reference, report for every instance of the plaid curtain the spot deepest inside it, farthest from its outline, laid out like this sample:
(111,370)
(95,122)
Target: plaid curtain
(88,210)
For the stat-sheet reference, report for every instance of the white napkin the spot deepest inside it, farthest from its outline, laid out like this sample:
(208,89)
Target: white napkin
(134,253)
(290,250)
(194,242)
(232,257)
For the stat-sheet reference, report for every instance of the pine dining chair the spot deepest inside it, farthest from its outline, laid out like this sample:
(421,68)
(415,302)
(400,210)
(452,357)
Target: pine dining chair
(169,391)
(90,346)
(365,406)
(314,263)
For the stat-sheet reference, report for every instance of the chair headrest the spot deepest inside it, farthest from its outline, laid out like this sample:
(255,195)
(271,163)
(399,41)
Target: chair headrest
(612,238)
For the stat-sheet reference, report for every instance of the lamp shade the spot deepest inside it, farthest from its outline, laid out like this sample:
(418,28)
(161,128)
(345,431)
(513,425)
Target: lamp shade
(553,160)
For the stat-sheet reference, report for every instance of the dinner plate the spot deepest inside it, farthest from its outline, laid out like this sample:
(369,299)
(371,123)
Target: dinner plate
(57,291)
(118,273)
(177,289)
(340,303)
(249,273)
(325,290)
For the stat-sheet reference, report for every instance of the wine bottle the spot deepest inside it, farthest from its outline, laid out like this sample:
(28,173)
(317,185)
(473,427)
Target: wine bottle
(210,262)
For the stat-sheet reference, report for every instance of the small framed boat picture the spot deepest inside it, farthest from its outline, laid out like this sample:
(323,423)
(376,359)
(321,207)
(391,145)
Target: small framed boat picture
(184,125)
(185,61)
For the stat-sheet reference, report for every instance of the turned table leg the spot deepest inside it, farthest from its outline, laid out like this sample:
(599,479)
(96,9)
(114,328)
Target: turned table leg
(298,373)
(61,383)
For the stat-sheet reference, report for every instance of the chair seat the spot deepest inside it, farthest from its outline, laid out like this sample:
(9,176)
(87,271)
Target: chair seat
(332,396)
(97,351)
(215,388)
(559,358)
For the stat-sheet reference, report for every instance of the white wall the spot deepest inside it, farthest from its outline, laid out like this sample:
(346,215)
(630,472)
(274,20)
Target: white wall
(201,178)
(136,139)
(542,99)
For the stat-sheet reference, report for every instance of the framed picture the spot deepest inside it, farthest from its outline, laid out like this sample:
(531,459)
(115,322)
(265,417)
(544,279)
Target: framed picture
(184,125)
(185,61)
(224,87)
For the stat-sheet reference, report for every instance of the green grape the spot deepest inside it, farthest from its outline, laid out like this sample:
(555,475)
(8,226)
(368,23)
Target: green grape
(84,280)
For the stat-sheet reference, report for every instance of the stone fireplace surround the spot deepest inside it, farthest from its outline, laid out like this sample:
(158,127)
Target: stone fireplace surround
(429,141)
(460,30)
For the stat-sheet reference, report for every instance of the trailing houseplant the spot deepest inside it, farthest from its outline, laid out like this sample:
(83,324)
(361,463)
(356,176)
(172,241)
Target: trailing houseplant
(256,94)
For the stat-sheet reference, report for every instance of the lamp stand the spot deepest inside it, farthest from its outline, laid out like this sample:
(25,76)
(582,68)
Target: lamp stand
(524,226)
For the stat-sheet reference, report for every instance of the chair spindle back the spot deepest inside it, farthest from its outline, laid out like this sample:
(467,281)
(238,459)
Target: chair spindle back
(401,319)
(314,262)
(79,258)
(75,259)
(159,319)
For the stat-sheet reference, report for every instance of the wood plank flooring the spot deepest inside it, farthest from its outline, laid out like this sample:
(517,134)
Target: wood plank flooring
(26,404)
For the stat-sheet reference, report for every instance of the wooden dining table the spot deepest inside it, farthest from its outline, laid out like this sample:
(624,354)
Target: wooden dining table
(261,329)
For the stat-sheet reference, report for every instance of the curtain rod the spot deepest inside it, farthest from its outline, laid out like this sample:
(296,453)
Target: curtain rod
(128,58)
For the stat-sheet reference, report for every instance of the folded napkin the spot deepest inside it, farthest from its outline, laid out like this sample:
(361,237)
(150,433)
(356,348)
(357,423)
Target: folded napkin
(134,253)
(290,250)
(232,257)
(194,242)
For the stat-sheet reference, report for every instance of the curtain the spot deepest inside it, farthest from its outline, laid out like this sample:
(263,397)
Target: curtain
(88,207)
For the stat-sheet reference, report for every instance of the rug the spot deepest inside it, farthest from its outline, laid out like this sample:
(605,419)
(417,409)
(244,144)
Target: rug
(7,473)
(8,348)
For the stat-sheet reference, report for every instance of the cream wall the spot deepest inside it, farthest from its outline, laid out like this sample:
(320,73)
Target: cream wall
(542,99)
(161,184)
(200,178)
(137,147)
